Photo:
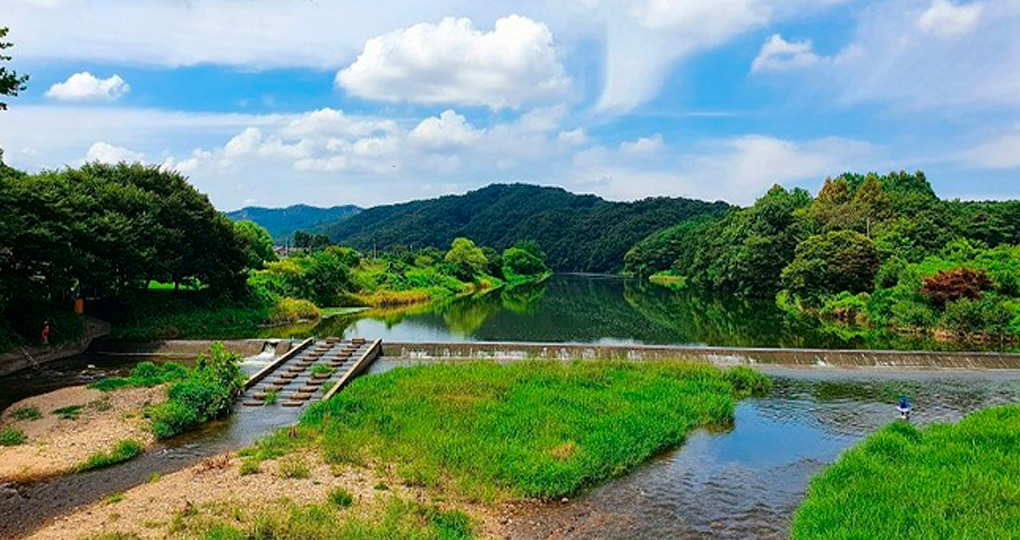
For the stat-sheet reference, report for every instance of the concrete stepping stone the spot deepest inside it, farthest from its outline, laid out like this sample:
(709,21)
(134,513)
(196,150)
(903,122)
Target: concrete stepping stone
(293,403)
(307,388)
(289,376)
(254,403)
(301,396)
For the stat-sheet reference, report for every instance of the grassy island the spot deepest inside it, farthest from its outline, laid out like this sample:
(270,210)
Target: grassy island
(489,432)
(946,482)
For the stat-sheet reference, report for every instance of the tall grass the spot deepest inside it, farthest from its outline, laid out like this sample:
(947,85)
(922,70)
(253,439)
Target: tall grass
(489,431)
(144,375)
(947,482)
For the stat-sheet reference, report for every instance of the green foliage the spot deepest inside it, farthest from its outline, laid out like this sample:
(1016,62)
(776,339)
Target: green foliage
(341,498)
(294,467)
(321,277)
(11,84)
(258,244)
(293,310)
(125,450)
(529,429)
(830,263)
(12,436)
(946,482)
(466,259)
(311,241)
(144,375)
(518,261)
(250,466)
(578,232)
(108,230)
(206,393)
(30,413)
(165,314)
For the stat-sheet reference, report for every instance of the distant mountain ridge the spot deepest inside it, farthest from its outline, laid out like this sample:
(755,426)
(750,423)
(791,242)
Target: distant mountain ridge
(580,233)
(282,222)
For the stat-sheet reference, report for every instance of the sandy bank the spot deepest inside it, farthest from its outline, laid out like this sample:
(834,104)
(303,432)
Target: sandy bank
(94,422)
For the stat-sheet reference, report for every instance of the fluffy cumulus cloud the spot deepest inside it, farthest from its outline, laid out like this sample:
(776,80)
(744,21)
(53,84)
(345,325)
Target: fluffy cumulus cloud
(454,62)
(999,152)
(945,19)
(103,152)
(777,54)
(85,86)
(448,129)
(643,145)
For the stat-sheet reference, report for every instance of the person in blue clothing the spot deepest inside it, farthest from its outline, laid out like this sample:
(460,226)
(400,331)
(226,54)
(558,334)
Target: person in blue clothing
(904,407)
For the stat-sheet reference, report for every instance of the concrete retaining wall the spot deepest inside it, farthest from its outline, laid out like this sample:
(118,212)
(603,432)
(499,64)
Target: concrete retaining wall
(188,348)
(717,355)
(25,357)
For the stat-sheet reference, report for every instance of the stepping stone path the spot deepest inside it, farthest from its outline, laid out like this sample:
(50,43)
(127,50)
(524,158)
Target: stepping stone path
(295,382)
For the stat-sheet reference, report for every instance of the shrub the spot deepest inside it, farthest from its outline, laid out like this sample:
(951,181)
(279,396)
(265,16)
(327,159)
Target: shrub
(207,393)
(847,309)
(26,413)
(956,284)
(144,375)
(125,450)
(341,498)
(519,262)
(293,310)
(250,466)
(12,436)
(982,316)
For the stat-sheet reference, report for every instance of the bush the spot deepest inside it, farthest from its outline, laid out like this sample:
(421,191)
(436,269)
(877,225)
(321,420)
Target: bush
(125,450)
(144,375)
(846,308)
(293,310)
(983,316)
(956,284)
(519,262)
(207,393)
(12,436)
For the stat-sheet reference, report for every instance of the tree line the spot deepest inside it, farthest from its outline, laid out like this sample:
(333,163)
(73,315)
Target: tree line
(860,254)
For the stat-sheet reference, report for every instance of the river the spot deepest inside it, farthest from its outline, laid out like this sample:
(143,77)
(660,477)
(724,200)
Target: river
(606,310)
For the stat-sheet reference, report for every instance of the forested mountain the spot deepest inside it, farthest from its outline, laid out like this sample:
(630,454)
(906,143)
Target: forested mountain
(282,222)
(581,233)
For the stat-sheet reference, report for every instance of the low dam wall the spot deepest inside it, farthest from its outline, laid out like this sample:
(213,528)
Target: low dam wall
(716,355)
(189,348)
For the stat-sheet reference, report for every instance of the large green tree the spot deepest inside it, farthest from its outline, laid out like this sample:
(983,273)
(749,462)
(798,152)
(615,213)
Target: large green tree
(258,243)
(466,258)
(831,263)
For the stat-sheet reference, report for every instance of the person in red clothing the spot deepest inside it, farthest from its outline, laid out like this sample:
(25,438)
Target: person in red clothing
(46,334)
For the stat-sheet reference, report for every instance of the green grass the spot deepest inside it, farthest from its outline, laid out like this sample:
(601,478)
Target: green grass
(397,519)
(272,396)
(341,498)
(322,369)
(548,429)
(31,413)
(12,436)
(946,482)
(71,412)
(144,375)
(294,467)
(125,450)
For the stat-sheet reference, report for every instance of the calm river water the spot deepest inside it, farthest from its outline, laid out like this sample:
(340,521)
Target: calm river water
(601,309)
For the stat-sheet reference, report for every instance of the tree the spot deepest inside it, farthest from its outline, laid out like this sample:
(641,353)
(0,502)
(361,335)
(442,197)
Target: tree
(956,284)
(11,84)
(466,259)
(258,243)
(831,263)
(517,261)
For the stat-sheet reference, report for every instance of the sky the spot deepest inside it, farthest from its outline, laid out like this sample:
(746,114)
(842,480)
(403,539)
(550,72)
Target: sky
(324,102)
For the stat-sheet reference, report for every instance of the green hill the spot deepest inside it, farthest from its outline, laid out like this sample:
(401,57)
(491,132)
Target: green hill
(581,233)
(282,222)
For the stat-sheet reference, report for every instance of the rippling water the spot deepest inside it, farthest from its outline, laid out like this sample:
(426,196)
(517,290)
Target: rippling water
(746,483)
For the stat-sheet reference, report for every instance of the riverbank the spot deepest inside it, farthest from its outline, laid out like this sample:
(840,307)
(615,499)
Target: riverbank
(62,429)
(23,357)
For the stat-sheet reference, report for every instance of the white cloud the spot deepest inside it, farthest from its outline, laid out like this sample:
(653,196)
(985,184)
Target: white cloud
(777,54)
(574,137)
(453,62)
(85,86)
(643,145)
(448,129)
(945,19)
(1001,152)
(107,153)
(737,169)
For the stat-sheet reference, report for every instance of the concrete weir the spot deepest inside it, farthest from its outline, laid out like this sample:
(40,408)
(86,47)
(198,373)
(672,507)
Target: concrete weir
(717,355)
(311,371)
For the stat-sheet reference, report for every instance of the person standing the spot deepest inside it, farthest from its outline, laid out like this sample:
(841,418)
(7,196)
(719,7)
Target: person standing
(46,334)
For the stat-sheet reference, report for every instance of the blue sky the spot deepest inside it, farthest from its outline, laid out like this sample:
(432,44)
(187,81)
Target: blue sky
(276,102)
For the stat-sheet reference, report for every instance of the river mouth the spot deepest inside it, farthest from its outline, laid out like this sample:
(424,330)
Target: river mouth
(746,483)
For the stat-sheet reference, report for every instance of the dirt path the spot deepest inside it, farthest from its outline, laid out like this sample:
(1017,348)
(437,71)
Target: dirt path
(88,421)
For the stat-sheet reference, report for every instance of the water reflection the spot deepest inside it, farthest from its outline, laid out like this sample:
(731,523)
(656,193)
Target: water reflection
(607,310)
